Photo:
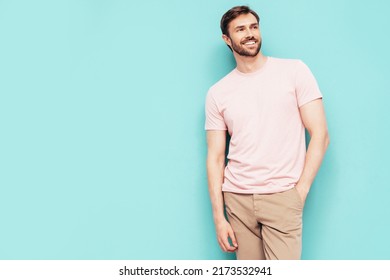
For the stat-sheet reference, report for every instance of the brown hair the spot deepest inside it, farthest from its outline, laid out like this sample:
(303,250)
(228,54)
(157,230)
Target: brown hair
(232,14)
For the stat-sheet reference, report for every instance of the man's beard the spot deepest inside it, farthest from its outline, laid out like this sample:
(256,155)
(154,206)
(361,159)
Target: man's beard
(244,52)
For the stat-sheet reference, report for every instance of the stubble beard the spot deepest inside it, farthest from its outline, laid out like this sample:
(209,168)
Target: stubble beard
(243,52)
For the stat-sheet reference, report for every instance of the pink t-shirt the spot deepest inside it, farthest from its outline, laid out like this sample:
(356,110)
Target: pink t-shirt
(260,110)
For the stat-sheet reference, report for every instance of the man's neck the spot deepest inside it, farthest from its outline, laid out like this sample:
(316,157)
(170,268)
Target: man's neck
(246,64)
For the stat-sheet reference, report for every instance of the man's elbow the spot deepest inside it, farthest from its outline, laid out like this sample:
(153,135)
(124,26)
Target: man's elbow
(327,140)
(321,136)
(215,160)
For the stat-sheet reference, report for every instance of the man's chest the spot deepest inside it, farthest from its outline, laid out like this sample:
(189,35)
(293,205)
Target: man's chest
(263,105)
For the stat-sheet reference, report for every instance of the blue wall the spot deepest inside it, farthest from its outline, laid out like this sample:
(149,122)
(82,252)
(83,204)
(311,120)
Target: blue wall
(102,148)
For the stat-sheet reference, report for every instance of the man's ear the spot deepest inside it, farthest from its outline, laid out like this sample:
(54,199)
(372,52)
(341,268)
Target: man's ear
(227,40)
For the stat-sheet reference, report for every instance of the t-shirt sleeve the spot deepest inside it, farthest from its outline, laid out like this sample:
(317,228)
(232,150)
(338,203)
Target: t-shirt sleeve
(306,87)
(214,118)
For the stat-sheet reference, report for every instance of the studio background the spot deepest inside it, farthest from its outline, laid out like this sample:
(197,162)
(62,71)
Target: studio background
(102,141)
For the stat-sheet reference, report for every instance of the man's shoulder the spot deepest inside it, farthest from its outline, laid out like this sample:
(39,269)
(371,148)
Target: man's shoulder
(286,62)
(288,66)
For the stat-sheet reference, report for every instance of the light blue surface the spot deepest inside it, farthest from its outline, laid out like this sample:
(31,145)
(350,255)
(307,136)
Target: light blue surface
(102,148)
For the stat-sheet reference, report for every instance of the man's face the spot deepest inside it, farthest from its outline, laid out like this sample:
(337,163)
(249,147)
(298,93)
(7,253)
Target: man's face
(244,35)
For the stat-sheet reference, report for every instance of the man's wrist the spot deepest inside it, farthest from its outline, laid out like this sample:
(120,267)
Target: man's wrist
(303,186)
(219,219)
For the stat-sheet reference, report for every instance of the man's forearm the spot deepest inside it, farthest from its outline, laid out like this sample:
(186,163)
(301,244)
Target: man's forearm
(215,172)
(315,153)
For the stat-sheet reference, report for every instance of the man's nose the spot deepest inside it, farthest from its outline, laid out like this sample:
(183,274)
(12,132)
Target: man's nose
(249,32)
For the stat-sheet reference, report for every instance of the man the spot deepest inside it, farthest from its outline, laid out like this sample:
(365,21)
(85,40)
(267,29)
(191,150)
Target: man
(264,104)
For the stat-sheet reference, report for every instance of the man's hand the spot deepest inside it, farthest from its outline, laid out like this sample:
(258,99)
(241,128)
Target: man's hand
(302,192)
(224,232)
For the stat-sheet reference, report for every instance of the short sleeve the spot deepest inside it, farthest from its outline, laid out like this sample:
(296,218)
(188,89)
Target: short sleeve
(306,87)
(214,118)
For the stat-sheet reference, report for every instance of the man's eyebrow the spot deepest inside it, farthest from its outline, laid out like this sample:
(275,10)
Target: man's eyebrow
(239,26)
(242,26)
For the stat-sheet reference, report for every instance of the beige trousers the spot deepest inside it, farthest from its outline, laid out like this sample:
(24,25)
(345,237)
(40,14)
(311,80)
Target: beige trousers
(266,226)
